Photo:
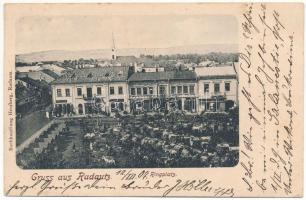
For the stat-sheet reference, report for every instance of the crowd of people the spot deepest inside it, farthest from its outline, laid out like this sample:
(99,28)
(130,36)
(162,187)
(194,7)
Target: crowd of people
(156,141)
(146,140)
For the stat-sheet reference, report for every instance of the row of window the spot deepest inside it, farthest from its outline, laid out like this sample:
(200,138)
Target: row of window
(162,90)
(89,91)
(112,90)
(227,87)
(185,89)
(142,91)
(59,92)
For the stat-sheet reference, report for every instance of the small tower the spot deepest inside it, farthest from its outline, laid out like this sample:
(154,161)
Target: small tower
(114,57)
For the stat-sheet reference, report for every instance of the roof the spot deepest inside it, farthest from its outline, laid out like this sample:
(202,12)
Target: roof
(28,68)
(54,68)
(210,72)
(50,73)
(172,75)
(94,75)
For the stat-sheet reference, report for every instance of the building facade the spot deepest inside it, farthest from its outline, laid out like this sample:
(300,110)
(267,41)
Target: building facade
(90,91)
(218,88)
(163,91)
(112,89)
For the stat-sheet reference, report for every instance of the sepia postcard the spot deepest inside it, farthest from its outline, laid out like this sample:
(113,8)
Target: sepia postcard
(162,100)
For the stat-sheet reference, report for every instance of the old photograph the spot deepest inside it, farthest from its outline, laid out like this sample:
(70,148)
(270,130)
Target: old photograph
(153,99)
(127,91)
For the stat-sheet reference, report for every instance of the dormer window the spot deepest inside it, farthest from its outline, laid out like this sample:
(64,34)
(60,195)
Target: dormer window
(89,75)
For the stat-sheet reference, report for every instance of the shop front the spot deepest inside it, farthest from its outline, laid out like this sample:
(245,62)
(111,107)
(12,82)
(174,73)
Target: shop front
(214,104)
(62,108)
(190,105)
(117,105)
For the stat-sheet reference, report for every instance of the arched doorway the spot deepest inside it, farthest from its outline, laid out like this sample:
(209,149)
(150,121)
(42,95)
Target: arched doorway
(80,109)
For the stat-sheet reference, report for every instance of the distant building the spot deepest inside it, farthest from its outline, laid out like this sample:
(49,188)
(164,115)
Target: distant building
(126,60)
(38,75)
(206,63)
(179,63)
(89,65)
(54,68)
(190,66)
(152,69)
(103,63)
(138,67)
(33,68)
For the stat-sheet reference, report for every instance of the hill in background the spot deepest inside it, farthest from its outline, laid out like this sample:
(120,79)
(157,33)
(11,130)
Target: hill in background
(61,55)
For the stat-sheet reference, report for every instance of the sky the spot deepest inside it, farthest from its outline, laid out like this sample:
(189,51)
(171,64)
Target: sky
(34,33)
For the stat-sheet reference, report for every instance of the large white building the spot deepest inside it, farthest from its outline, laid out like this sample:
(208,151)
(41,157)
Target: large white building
(91,90)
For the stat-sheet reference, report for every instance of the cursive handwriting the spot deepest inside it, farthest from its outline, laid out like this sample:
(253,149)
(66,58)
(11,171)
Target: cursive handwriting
(47,185)
(267,65)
